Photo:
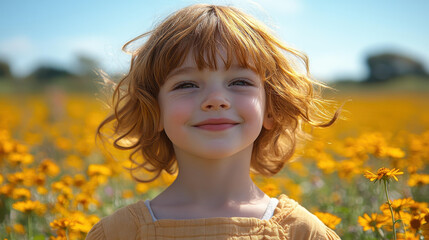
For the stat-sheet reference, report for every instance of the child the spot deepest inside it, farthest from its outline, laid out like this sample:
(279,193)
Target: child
(212,94)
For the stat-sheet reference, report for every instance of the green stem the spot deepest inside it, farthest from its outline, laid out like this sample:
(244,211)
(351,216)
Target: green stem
(380,233)
(67,233)
(30,226)
(403,225)
(390,207)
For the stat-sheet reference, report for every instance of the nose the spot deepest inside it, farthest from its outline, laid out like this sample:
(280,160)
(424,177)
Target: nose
(215,101)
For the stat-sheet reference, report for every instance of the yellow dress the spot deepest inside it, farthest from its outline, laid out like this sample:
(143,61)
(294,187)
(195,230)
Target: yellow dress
(289,221)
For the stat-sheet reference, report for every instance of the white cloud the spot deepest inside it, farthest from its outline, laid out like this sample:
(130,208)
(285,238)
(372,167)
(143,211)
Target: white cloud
(15,46)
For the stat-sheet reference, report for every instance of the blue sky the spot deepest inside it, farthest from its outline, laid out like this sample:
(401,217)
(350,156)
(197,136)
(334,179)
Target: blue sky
(336,35)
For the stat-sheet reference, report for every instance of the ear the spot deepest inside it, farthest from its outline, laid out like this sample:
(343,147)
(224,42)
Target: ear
(268,121)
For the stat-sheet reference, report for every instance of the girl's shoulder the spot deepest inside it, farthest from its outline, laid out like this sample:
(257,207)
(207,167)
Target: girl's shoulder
(124,221)
(299,222)
(294,220)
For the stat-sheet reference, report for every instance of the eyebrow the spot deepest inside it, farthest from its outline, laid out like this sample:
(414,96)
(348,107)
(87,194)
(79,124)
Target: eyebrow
(182,70)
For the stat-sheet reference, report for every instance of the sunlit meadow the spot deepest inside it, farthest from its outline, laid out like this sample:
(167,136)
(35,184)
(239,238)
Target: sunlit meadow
(56,182)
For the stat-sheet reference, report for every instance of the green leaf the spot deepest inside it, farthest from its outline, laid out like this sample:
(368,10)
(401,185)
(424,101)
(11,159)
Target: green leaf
(39,237)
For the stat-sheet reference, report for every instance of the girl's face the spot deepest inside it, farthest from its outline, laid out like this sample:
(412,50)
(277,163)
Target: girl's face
(212,114)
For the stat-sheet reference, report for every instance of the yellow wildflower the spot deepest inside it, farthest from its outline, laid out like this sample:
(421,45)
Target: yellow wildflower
(59,237)
(26,177)
(16,159)
(67,180)
(417,208)
(16,178)
(142,188)
(293,190)
(328,165)
(79,180)
(270,188)
(18,193)
(29,207)
(76,223)
(62,223)
(398,206)
(74,161)
(49,168)
(372,222)
(415,222)
(63,143)
(126,194)
(383,173)
(39,180)
(6,147)
(328,219)
(20,148)
(84,200)
(425,230)
(89,187)
(395,152)
(401,236)
(347,169)
(97,169)
(19,228)
(418,180)
(6,190)
(42,190)
(426,212)
(62,188)
(99,172)
(83,224)
(298,168)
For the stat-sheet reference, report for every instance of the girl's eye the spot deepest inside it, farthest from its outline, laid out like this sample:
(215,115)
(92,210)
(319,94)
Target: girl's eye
(184,85)
(241,82)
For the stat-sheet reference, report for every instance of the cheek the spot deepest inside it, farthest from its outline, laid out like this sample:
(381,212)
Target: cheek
(253,108)
(176,113)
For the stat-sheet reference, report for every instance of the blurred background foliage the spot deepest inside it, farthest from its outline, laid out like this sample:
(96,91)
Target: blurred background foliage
(55,182)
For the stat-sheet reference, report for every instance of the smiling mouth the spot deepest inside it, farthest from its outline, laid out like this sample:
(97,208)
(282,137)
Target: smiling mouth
(216,124)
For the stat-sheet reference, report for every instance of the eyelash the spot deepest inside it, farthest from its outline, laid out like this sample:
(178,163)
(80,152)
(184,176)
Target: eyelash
(246,82)
(184,85)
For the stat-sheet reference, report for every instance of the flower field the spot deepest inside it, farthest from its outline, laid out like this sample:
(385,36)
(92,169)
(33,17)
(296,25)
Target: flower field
(56,182)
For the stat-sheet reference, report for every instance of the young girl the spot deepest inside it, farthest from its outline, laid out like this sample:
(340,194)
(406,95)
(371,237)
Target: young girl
(213,94)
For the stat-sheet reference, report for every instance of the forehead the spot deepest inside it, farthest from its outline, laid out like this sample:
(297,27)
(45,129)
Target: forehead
(220,61)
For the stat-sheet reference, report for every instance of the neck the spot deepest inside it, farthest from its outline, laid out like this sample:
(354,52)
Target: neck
(214,182)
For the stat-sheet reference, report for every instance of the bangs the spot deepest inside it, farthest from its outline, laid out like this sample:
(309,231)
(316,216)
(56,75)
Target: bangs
(205,31)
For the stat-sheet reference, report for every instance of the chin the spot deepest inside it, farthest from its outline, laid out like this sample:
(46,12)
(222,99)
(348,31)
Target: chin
(221,152)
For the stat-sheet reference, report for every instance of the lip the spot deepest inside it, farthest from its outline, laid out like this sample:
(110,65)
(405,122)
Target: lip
(216,124)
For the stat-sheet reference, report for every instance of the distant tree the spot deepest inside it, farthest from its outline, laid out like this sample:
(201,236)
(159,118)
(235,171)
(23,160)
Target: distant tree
(383,67)
(4,69)
(86,65)
(48,73)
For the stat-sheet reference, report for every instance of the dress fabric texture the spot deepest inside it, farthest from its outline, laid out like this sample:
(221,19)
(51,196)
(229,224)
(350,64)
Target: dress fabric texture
(289,221)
